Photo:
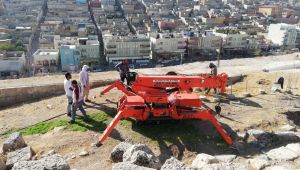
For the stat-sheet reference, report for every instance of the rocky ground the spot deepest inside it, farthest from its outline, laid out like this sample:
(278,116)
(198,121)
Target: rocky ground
(264,124)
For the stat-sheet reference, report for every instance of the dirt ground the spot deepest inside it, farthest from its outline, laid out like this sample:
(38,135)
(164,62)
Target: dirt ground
(266,112)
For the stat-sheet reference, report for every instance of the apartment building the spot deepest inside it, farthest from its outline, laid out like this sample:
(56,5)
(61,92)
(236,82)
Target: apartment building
(137,49)
(12,63)
(167,45)
(284,35)
(70,58)
(46,59)
(271,10)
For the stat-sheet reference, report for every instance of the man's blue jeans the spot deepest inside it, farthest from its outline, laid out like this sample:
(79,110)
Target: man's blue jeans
(80,107)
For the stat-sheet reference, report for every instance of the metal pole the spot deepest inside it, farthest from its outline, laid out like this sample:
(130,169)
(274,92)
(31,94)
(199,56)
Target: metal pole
(230,87)
(181,56)
(219,54)
(247,85)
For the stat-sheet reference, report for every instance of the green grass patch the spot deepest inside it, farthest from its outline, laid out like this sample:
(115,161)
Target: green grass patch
(96,122)
(126,123)
(41,128)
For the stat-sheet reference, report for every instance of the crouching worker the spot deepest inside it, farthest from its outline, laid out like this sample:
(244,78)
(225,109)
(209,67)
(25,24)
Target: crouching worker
(123,70)
(77,101)
(213,72)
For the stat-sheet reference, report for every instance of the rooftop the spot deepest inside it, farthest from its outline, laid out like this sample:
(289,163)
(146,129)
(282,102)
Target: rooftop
(46,52)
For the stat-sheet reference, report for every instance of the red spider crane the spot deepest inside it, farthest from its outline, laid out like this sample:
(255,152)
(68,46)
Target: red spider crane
(157,97)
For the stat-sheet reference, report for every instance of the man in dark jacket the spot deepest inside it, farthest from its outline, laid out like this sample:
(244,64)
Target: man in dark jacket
(123,70)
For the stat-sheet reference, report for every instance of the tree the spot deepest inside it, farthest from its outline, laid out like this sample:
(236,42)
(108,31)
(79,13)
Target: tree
(12,47)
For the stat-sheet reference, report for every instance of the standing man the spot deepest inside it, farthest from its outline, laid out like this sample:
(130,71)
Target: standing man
(123,70)
(69,91)
(213,72)
(85,82)
(77,101)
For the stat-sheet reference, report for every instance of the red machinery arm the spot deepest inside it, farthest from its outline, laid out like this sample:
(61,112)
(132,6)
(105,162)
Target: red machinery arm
(120,86)
(182,82)
(157,83)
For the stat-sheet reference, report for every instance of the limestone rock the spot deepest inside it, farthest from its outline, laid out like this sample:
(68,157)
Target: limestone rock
(141,155)
(84,153)
(286,166)
(213,167)
(225,166)
(55,162)
(295,147)
(58,129)
(117,153)
(13,142)
(141,158)
(129,166)
(255,133)
(282,154)
(137,147)
(32,165)
(287,128)
(237,166)
(51,152)
(24,154)
(49,106)
(225,158)
(203,159)
(174,164)
(258,163)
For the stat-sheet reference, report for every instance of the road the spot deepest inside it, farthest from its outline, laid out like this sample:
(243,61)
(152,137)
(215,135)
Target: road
(34,45)
(99,33)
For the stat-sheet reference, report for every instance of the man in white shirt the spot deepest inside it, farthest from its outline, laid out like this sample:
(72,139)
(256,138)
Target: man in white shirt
(69,91)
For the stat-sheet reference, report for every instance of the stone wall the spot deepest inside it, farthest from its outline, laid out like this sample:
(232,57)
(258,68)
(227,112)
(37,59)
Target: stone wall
(12,96)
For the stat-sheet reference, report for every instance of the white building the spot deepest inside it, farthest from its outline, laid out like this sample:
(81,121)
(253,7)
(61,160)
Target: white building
(168,42)
(168,46)
(233,39)
(12,62)
(89,50)
(60,41)
(46,59)
(284,35)
(108,5)
(133,48)
(210,42)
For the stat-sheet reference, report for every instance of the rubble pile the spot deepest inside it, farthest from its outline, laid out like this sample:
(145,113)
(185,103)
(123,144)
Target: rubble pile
(128,156)
(18,156)
(133,156)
